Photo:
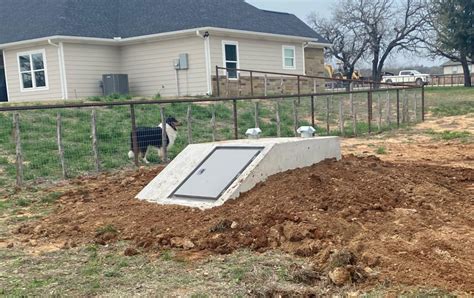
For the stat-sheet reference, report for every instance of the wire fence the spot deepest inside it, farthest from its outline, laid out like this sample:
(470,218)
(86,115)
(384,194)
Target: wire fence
(51,142)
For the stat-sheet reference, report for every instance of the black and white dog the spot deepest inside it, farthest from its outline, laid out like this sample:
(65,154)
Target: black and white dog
(152,137)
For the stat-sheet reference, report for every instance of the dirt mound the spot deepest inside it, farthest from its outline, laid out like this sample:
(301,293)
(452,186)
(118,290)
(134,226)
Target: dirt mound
(360,219)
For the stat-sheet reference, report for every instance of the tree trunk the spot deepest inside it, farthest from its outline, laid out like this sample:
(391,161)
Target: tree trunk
(467,72)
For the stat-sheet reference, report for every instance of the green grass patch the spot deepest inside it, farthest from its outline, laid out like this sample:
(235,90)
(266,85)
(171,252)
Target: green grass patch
(453,109)
(450,135)
(381,150)
(110,229)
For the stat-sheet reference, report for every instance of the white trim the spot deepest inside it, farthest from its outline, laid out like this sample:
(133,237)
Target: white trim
(64,73)
(224,61)
(207,53)
(45,69)
(6,74)
(287,47)
(313,41)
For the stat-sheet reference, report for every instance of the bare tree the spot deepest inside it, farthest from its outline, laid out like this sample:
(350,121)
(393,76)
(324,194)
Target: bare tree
(348,42)
(449,32)
(387,24)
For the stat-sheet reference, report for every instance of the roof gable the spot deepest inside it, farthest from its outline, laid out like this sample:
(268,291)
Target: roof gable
(30,19)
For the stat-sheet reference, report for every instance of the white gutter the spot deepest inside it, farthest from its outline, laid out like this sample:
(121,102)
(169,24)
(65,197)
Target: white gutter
(61,68)
(6,74)
(111,41)
(207,59)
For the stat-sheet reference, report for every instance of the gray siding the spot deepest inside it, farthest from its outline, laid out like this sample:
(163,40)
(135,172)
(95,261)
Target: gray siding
(151,70)
(53,75)
(85,65)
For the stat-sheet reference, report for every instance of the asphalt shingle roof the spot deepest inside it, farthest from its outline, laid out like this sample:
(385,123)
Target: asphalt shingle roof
(29,19)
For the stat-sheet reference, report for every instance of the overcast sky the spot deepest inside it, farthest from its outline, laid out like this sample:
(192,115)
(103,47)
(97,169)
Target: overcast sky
(302,8)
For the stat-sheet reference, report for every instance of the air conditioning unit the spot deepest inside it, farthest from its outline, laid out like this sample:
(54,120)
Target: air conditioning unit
(115,84)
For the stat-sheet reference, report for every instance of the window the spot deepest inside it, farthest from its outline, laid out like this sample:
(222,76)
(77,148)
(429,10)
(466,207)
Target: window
(32,69)
(231,58)
(289,60)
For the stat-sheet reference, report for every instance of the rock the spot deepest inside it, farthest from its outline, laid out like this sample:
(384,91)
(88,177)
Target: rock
(234,225)
(340,276)
(10,245)
(130,251)
(33,242)
(182,243)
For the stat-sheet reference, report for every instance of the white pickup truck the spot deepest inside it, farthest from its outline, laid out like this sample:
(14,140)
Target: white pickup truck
(408,76)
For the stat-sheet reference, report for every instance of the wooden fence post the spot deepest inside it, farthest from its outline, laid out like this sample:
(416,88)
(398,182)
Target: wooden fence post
(379,110)
(59,139)
(213,123)
(369,109)
(164,139)
(265,83)
(95,146)
(327,115)
(415,107)
(19,155)
(236,124)
(341,116)
(295,117)
(278,121)
(353,109)
(134,135)
(388,109)
(256,109)
(190,128)
(423,102)
(398,108)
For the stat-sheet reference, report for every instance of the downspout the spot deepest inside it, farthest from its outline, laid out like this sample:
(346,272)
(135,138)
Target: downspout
(61,67)
(305,45)
(207,58)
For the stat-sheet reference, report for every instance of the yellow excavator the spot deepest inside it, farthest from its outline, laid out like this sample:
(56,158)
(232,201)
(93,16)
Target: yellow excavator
(339,75)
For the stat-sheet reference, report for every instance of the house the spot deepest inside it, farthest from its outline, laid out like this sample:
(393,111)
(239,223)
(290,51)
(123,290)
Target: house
(452,68)
(60,49)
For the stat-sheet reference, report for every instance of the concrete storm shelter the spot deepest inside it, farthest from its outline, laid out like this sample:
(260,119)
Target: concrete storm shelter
(207,175)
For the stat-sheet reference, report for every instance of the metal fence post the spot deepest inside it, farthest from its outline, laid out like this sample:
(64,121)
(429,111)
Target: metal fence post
(134,135)
(164,138)
(312,111)
(236,127)
(19,155)
(59,139)
(341,115)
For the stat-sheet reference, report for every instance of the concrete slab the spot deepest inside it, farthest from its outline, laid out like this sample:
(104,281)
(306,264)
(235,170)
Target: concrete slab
(278,155)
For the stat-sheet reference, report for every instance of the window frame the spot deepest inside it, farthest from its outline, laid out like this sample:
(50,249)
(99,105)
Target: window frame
(288,47)
(32,70)
(225,61)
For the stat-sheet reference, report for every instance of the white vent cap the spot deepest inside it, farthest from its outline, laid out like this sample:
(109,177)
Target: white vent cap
(306,131)
(253,133)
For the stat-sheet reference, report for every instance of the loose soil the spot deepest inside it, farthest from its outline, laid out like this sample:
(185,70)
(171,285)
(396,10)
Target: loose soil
(360,219)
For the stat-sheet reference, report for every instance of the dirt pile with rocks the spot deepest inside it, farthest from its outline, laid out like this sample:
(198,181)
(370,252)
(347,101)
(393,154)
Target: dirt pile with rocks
(357,220)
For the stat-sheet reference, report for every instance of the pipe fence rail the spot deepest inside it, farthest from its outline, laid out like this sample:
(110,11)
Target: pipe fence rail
(60,141)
